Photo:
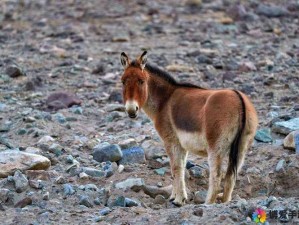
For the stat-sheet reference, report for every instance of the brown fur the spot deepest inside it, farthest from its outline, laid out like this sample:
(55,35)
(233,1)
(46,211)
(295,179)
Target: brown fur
(192,119)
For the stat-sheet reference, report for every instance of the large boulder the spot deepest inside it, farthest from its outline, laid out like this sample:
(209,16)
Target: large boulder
(12,160)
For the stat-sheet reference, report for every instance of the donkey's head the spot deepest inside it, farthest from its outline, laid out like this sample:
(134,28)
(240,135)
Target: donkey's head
(134,81)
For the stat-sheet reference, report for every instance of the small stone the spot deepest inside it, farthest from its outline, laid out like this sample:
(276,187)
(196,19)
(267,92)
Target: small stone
(83,176)
(132,155)
(129,183)
(77,110)
(197,172)
(286,127)
(46,196)
(263,135)
(189,165)
(4,194)
(118,201)
(153,191)
(105,211)
(291,141)
(45,140)
(33,150)
(130,202)
(247,67)
(37,184)
(21,131)
(160,200)
(91,187)
(84,200)
(24,202)
(14,71)
(21,182)
(271,10)
(128,143)
(70,159)
(160,171)
(93,172)
(60,180)
(226,20)
(60,100)
(110,153)
(121,168)
(179,68)
(280,165)
(68,189)
(200,197)
(198,212)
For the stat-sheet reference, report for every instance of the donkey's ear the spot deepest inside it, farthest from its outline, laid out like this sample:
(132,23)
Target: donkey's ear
(124,59)
(143,59)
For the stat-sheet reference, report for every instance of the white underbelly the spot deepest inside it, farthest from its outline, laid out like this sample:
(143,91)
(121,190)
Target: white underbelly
(193,142)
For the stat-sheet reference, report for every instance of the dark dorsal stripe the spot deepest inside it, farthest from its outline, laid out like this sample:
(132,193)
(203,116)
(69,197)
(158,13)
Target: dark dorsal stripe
(156,71)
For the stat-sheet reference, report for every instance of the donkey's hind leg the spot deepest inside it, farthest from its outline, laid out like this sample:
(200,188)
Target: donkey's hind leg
(214,177)
(230,177)
(178,163)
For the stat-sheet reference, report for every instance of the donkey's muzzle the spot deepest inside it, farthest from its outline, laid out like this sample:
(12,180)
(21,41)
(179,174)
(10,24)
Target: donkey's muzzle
(132,109)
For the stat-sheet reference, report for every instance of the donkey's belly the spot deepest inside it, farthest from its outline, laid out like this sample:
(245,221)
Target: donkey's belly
(193,142)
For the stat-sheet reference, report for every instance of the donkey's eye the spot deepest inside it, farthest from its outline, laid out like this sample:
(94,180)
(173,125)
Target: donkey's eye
(124,82)
(140,82)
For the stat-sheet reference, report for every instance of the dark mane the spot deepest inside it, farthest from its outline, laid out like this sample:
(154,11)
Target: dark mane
(167,77)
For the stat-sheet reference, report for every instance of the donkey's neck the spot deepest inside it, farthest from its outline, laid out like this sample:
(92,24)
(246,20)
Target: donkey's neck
(159,92)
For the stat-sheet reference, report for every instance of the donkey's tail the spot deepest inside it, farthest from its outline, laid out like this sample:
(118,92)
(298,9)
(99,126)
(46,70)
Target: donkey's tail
(234,149)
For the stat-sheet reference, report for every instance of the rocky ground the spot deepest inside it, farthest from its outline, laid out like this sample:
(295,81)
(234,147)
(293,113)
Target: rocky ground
(70,155)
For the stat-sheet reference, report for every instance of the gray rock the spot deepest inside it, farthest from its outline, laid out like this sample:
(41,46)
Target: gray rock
(37,184)
(129,183)
(286,127)
(200,197)
(46,196)
(91,187)
(291,141)
(110,153)
(263,135)
(130,202)
(4,194)
(68,189)
(23,202)
(70,159)
(272,10)
(160,171)
(160,200)
(93,172)
(128,143)
(116,201)
(132,155)
(14,71)
(198,172)
(105,211)
(152,149)
(153,191)
(84,200)
(21,181)
(280,165)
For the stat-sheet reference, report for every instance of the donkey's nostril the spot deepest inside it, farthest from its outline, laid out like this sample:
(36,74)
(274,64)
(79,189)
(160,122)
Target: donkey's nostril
(137,108)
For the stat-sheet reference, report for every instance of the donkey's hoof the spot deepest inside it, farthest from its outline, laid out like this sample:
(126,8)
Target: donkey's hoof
(177,204)
(219,198)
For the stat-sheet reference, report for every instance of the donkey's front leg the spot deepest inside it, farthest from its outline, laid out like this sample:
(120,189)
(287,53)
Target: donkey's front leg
(178,158)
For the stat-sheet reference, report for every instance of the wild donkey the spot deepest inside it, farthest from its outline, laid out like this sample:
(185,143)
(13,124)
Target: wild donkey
(212,123)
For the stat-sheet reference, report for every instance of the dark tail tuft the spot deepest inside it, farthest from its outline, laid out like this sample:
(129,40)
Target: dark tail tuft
(234,149)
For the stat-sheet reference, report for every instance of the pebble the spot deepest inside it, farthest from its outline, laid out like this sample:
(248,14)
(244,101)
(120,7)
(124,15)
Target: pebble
(37,184)
(130,202)
(68,189)
(94,172)
(271,10)
(46,196)
(160,171)
(197,172)
(200,197)
(110,153)
(116,201)
(128,143)
(14,71)
(153,191)
(121,168)
(280,165)
(160,200)
(70,159)
(286,127)
(84,200)
(263,135)
(60,100)
(21,181)
(91,187)
(129,183)
(179,68)
(105,211)
(24,202)
(291,141)
(4,194)
(132,155)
